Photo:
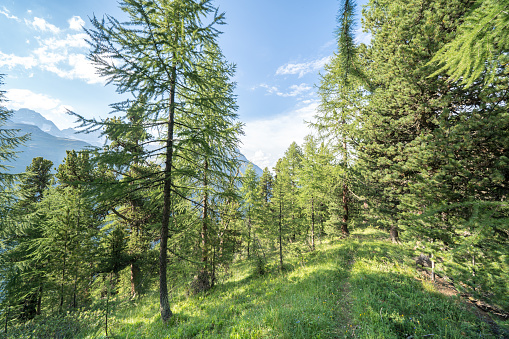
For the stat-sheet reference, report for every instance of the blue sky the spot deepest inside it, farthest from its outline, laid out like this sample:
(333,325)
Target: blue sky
(279,48)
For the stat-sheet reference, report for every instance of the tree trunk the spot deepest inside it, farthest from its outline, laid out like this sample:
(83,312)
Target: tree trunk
(135,272)
(344,223)
(312,224)
(61,305)
(204,228)
(7,318)
(39,300)
(203,283)
(164,305)
(280,234)
(248,234)
(432,268)
(394,234)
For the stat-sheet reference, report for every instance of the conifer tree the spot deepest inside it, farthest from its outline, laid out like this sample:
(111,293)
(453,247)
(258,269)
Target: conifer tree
(250,182)
(480,46)
(342,91)
(292,167)
(160,56)
(25,260)
(280,199)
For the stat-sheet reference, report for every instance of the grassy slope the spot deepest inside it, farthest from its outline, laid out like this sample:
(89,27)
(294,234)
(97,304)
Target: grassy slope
(362,287)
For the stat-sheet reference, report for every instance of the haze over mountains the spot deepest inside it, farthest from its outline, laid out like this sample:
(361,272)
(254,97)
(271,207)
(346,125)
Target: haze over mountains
(51,143)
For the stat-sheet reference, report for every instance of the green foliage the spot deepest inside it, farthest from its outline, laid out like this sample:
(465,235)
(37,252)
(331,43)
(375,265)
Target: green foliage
(362,286)
(479,49)
(8,137)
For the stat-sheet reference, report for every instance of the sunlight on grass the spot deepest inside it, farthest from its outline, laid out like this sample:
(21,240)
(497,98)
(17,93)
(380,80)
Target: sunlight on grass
(360,287)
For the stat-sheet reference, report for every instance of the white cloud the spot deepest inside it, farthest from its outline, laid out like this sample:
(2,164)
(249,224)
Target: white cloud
(64,57)
(266,140)
(76,23)
(295,90)
(24,98)
(70,41)
(81,68)
(11,60)
(303,68)
(51,108)
(8,14)
(42,25)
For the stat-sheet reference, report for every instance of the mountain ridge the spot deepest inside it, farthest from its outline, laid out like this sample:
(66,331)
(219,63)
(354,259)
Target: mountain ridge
(48,141)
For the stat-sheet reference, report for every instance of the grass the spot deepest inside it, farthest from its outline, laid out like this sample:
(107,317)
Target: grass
(360,287)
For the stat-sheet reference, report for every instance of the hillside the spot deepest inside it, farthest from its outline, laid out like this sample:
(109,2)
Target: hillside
(359,287)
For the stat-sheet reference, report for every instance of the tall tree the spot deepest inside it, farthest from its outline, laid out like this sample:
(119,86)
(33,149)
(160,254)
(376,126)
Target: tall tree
(342,91)
(281,197)
(250,182)
(22,253)
(159,56)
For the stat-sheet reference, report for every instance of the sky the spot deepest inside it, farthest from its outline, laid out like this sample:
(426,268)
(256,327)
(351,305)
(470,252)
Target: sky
(279,47)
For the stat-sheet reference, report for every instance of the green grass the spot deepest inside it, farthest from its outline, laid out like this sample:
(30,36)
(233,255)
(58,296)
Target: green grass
(359,287)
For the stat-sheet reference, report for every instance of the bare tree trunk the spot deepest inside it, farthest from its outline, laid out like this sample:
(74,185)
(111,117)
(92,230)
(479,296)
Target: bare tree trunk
(394,234)
(135,272)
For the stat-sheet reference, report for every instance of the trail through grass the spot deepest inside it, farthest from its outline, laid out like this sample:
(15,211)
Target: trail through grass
(359,287)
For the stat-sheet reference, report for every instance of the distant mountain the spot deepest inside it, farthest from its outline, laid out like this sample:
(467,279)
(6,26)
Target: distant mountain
(246,163)
(29,117)
(41,144)
(48,141)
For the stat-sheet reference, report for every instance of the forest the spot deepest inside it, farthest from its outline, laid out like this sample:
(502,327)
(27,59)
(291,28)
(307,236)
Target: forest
(411,141)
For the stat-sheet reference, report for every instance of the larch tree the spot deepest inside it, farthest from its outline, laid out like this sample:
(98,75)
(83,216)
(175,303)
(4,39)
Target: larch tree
(159,57)
(342,91)
(250,201)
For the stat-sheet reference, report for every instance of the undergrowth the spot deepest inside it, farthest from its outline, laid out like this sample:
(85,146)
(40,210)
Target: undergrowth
(359,287)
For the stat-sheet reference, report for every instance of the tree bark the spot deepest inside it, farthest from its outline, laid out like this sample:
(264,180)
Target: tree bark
(248,234)
(344,222)
(312,223)
(135,272)
(39,300)
(280,235)
(164,305)
(394,234)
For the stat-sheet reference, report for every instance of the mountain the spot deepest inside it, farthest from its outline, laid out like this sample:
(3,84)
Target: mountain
(246,163)
(48,141)
(29,117)
(41,144)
